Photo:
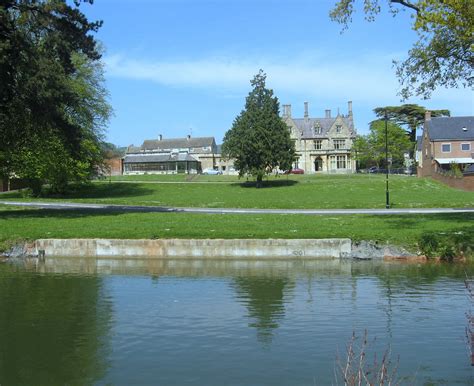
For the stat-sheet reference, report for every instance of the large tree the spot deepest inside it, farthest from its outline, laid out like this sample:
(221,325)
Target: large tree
(444,52)
(259,140)
(410,116)
(52,101)
(370,149)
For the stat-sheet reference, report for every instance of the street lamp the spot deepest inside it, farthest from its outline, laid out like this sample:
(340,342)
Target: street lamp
(387,193)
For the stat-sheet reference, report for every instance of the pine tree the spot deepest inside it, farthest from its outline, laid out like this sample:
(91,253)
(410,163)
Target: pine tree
(259,140)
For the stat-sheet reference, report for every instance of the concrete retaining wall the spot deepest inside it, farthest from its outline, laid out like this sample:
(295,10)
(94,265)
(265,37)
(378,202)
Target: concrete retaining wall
(209,248)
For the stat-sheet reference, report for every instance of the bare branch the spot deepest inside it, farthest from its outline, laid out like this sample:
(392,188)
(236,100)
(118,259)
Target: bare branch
(406,4)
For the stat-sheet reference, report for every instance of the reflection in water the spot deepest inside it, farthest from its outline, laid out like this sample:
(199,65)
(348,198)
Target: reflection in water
(53,329)
(189,322)
(263,297)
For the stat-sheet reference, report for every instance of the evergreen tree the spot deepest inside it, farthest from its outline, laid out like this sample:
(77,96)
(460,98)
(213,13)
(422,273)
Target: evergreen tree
(411,116)
(259,140)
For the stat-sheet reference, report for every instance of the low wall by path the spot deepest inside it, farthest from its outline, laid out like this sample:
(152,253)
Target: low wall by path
(465,182)
(207,248)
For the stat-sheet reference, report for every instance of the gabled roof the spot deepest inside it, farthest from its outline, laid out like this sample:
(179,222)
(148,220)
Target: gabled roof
(451,128)
(306,126)
(177,143)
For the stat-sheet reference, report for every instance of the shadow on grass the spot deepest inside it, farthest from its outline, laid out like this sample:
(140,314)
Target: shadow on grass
(56,213)
(105,190)
(410,220)
(266,184)
(95,190)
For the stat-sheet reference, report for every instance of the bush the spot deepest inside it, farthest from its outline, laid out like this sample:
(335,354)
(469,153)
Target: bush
(447,245)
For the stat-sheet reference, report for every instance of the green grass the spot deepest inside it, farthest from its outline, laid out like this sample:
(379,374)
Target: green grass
(296,192)
(30,224)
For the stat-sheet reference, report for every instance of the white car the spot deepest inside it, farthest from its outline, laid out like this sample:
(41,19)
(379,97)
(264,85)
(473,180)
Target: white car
(211,171)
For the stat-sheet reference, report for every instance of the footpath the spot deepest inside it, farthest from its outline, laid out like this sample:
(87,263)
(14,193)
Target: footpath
(163,209)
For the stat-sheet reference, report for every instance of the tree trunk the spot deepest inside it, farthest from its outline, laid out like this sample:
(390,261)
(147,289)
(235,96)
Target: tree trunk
(259,180)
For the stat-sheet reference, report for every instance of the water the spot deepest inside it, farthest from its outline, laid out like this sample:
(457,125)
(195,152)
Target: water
(136,322)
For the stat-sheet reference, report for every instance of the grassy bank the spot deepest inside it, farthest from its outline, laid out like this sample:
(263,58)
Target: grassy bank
(294,192)
(405,230)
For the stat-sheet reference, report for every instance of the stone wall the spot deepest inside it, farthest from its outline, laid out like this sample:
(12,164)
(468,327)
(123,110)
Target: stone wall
(207,248)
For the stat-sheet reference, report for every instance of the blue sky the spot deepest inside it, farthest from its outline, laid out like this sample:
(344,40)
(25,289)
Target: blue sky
(178,67)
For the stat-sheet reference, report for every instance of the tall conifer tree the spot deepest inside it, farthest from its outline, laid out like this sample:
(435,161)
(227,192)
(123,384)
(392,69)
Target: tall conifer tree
(259,140)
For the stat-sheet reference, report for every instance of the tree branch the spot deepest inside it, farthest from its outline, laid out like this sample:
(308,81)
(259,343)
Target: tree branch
(406,4)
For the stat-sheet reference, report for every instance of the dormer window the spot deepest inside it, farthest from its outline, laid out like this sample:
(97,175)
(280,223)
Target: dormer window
(338,128)
(317,128)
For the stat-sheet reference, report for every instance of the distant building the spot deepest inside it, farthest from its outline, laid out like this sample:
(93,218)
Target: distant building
(170,156)
(323,145)
(446,141)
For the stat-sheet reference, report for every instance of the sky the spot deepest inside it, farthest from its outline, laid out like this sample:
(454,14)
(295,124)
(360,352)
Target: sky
(179,67)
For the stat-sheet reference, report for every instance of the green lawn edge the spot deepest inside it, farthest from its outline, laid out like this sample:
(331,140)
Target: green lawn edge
(18,223)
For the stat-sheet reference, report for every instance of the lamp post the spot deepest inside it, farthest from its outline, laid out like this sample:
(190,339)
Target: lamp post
(387,193)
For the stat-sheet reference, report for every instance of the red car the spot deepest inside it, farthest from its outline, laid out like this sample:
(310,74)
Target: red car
(297,171)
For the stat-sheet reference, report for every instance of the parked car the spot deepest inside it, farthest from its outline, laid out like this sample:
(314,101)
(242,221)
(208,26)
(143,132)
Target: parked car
(211,171)
(374,169)
(297,171)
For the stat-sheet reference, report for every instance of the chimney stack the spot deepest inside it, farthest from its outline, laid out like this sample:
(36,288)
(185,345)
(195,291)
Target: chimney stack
(328,113)
(306,110)
(349,108)
(287,111)
(160,137)
(427,115)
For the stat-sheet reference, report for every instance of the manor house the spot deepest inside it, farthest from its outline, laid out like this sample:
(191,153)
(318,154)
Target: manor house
(323,145)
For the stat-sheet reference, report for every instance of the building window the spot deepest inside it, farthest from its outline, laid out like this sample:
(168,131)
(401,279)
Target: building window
(465,146)
(332,162)
(339,144)
(341,161)
(296,164)
(318,144)
(446,148)
(338,128)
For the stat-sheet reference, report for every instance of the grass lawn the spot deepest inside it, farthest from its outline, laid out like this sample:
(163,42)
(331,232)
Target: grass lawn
(304,192)
(21,224)
(293,192)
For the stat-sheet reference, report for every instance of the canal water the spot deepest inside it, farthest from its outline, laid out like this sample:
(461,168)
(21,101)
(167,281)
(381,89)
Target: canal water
(188,322)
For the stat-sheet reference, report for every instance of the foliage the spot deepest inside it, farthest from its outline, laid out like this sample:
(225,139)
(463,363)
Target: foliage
(363,152)
(447,245)
(371,148)
(53,104)
(112,151)
(259,140)
(443,54)
(410,116)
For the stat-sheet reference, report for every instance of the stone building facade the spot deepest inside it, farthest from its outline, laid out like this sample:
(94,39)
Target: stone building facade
(323,145)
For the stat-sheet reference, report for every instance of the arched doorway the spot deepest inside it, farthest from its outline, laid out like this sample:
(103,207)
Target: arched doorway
(318,164)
